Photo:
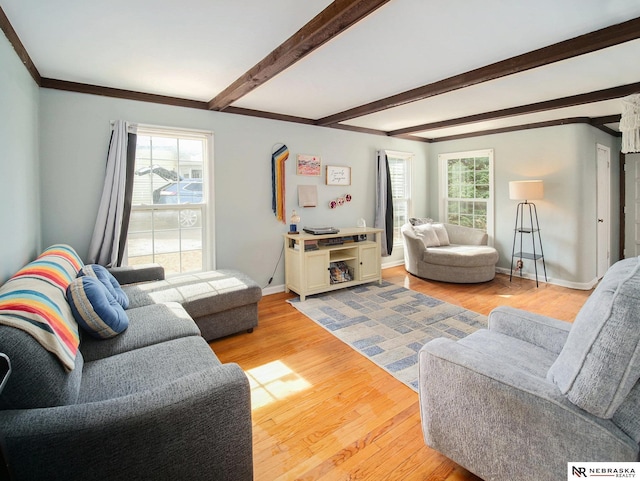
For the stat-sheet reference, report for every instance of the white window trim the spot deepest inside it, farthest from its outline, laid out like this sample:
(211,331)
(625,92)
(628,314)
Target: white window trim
(442,170)
(208,232)
(407,156)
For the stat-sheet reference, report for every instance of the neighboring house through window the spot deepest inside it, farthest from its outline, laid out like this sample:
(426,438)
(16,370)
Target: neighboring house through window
(467,189)
(400,172)
(170,215)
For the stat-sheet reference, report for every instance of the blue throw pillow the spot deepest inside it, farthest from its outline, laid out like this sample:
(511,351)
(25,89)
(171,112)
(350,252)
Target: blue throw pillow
(110,282)
(95,309)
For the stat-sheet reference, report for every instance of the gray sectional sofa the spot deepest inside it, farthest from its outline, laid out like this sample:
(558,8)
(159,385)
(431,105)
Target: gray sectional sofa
(153,402)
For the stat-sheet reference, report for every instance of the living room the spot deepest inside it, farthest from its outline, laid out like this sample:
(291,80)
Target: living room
(55,144)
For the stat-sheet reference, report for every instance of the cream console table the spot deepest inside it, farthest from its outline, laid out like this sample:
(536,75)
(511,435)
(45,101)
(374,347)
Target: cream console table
(320,263)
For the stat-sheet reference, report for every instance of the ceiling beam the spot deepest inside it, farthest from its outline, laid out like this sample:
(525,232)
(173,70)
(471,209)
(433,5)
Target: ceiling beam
(49,83)
(571,101)
(332,21)
(14,40)
(514,128)
(583,44)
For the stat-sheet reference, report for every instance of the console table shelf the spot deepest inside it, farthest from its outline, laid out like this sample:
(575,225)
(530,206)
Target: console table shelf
(308,261)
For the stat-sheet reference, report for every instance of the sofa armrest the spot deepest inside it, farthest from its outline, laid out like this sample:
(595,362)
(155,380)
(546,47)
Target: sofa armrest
(542,331)
(499,421)
(140,273)
(466,236)
(197,427)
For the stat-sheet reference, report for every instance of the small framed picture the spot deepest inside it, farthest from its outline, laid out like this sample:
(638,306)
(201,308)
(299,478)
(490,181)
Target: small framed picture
(338,175)
(308,165)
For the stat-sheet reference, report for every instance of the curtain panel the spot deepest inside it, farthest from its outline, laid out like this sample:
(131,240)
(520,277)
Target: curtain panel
(384,202)
(108,242)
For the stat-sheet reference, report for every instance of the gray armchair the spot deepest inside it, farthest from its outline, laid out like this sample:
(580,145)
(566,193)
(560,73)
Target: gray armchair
(457,254)
(530,393)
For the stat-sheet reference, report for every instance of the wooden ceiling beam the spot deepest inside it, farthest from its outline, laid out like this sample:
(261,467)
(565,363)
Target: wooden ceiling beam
(332,21)
(571,101)
(14,40)
(583,44)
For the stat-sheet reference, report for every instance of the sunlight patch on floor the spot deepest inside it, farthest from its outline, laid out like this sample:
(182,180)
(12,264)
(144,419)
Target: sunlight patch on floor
(272,382)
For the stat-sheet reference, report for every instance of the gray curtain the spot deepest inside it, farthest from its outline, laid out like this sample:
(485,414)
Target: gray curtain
(384,202)
(110,232)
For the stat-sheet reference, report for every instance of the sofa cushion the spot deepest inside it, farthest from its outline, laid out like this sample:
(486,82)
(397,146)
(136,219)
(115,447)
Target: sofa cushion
(420,220)
(148,325)
(461,256)
(200,294)
(441,232)
(34,300)
(103,275)
(427,235)
(95,309)
(600,362)
(145,369)
(38,379)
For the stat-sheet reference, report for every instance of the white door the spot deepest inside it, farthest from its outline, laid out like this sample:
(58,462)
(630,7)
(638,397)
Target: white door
(603,174)
(632,206)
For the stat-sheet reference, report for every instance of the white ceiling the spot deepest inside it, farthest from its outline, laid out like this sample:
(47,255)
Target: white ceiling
(193,49)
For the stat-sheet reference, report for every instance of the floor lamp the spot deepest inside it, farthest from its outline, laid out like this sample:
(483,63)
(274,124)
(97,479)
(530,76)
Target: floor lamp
(526,190)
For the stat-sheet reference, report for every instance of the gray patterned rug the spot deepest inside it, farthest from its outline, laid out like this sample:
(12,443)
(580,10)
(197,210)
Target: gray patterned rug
(388,323)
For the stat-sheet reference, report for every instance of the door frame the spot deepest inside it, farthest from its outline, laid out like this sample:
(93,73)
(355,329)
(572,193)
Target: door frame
(603,211)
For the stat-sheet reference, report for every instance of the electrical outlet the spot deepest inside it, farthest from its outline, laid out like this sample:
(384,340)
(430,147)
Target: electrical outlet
(519,264)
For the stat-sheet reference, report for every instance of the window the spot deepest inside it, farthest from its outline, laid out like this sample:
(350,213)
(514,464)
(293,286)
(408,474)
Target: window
(400,173)
(467,184)
(169,210)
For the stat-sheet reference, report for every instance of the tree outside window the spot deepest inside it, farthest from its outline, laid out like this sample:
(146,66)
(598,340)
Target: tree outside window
(468,189)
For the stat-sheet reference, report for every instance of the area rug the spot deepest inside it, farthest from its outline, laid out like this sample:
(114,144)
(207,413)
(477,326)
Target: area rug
(388,323)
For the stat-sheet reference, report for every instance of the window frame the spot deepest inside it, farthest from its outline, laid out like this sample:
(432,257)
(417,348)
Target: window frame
(207,206)
(408,158)
(443,172)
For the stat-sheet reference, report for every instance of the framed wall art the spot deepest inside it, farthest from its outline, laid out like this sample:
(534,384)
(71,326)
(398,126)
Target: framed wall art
(308,165)
(338,175)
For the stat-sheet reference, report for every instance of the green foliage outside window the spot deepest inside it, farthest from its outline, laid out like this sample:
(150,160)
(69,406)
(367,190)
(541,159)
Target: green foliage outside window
(468,191)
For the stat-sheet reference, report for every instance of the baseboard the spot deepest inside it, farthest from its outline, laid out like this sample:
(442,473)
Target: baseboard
(386,265)
(272,290)
(583,286)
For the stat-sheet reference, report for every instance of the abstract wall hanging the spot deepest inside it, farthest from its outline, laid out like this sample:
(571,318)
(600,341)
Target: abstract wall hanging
(278,159)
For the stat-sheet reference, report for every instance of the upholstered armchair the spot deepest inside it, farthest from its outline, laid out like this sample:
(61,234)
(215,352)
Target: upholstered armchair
(529,394)
(448,253)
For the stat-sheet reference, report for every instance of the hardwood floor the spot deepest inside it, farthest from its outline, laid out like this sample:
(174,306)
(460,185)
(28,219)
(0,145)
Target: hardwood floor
(321,411)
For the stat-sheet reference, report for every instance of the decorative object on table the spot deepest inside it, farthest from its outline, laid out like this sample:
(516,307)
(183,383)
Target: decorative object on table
(278,159)
(363,225)
(388,323)
(527,190)
(630,124)
(307,196)
(295,220)
(308,165)
(338,175)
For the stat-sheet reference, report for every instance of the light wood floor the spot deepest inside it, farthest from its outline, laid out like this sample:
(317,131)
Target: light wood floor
(321,411)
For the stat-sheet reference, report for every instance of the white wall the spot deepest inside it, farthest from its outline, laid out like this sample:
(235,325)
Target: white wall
(565,158)
(19,195)
(74,139)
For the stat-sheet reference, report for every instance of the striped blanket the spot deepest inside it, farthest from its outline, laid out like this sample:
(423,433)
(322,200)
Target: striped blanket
(34,301)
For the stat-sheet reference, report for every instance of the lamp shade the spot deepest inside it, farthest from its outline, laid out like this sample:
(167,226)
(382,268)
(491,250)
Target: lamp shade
(526,189)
